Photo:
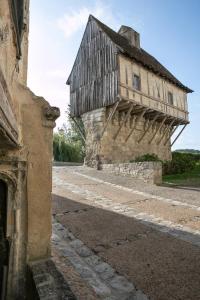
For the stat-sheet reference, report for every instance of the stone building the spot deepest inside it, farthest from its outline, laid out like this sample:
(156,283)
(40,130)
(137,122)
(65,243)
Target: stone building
(130,104)
(26,127)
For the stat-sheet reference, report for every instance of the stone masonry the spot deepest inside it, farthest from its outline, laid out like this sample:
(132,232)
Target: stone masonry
(107,149)
(150,172)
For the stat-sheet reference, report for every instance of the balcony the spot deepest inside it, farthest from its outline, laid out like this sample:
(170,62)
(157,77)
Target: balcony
(152,105)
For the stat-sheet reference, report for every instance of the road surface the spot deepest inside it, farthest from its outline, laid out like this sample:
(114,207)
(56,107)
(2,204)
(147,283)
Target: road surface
(125,239)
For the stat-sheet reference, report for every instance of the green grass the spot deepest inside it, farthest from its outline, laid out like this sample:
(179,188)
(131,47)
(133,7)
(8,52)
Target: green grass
(191,178)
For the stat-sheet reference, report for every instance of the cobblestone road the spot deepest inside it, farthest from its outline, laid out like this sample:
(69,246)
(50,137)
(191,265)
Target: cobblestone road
(125,239)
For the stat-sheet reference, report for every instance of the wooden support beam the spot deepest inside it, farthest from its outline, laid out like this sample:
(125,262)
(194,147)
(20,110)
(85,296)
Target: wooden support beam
(178,135)
(139,117)
(112,112)
(171,134)
(159,128)
(79,128)
(166,131)
(124,121)
(150,125)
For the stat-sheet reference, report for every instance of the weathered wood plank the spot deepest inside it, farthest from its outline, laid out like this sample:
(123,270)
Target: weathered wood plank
(94,79)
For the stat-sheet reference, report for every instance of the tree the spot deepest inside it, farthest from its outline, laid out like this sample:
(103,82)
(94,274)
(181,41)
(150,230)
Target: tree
(69,142)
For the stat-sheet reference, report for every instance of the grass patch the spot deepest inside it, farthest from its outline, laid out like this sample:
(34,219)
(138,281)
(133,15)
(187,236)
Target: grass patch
(189,178)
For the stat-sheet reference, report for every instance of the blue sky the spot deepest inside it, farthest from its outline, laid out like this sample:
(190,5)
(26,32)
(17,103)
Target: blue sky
(169,30)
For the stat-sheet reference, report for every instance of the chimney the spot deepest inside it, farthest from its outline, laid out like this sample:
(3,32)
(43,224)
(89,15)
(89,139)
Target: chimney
(131,35)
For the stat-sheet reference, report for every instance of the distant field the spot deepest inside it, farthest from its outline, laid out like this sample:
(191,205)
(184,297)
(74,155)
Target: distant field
(191,178)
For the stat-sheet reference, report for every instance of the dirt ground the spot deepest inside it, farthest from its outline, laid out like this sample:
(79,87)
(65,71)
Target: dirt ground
(149,234)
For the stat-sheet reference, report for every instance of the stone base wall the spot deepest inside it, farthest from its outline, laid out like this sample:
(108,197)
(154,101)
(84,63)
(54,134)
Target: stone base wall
(108,149)
(150,172)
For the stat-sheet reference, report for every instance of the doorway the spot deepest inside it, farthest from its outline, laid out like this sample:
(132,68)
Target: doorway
(4,247)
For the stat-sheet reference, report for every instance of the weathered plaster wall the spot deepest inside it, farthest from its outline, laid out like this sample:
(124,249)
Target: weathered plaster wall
(29,161)
(37,134)
(12,68)
(109,150)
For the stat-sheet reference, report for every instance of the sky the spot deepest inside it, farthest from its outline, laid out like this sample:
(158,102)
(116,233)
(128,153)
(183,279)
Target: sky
(169,30)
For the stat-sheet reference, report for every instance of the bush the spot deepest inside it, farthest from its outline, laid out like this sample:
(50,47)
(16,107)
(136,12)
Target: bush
(146,157)
(180,163)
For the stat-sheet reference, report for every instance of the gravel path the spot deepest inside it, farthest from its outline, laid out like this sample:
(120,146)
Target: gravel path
(148,235)
(189,195)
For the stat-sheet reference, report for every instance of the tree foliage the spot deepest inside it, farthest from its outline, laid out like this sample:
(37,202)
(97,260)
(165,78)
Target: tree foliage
(146,157)
(181,162)
(68,143)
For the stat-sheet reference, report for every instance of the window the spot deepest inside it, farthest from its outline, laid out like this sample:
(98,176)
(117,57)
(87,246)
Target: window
(170,98)
(136,82)
(126,76)
(158,90)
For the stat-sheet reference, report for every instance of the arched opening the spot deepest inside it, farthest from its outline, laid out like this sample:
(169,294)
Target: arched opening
(4,246)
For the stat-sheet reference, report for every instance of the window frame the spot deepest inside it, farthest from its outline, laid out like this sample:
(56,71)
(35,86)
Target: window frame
(138,85)
(170,98)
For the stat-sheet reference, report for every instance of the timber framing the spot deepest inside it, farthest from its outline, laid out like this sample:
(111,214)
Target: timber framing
(172,132)
(157,130)
(151,124)
(166,132)
(154,118)
(124,120)
(137,119)
(111,115)
(78,127)
(151,113)
(178,135)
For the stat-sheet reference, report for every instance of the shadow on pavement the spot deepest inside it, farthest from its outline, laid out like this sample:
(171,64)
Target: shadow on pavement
(162,266)
(188,188)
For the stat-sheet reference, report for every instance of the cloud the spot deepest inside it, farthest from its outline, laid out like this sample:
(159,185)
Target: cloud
(74,21)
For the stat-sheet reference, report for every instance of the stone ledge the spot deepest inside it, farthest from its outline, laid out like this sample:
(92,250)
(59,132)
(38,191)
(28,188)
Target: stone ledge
(48,282)
(150,172)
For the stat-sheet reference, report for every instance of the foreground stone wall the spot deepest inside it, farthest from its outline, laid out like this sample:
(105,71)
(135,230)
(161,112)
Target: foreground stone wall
(26,161)
(107,149)
(150,172)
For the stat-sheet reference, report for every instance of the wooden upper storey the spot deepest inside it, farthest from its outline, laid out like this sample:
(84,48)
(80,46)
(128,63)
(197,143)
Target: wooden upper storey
(139,85)
(108,69)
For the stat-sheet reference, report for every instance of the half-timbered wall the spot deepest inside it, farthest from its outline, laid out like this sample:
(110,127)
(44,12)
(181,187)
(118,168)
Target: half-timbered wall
(153,90)
(94,77)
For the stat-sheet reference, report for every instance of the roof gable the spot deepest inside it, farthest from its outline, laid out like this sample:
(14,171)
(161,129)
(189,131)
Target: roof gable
(140,55)
(94,28)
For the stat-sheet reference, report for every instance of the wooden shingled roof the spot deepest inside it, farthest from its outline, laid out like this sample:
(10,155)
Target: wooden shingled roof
(140,55)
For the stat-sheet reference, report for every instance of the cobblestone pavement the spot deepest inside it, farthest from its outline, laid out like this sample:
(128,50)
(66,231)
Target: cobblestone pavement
(127,239)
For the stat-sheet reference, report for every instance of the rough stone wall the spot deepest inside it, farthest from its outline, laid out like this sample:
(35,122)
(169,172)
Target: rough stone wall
(25,167)
(150,172)
(106,149)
